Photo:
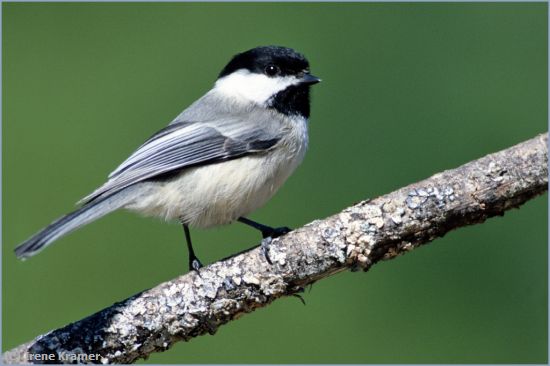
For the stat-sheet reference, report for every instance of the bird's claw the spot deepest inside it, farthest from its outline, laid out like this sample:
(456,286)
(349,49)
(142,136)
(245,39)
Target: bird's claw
(268,236)
(275,232)
(264,248)
(195,264)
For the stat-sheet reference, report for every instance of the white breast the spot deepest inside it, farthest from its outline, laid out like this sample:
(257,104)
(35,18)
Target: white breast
(220,193)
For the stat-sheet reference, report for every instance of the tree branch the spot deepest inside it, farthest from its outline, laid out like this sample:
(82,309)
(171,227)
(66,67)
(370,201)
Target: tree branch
(356,238)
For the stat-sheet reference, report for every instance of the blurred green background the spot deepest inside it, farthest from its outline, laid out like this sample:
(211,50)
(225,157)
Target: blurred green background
(408,90)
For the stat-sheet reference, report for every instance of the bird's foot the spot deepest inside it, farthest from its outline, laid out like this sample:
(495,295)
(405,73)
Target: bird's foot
(194,264)
(268,234)
(275,232)
(264,248)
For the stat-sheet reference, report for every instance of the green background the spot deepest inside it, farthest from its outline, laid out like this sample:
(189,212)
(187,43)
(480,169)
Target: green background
(408,90)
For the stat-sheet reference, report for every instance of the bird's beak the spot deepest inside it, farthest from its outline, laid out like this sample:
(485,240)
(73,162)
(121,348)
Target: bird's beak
(309,79)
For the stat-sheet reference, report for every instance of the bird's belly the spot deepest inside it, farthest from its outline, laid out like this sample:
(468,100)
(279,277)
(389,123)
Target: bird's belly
(217,194)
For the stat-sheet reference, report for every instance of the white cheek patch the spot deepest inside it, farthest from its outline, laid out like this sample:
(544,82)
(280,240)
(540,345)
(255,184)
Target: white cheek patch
(253,87)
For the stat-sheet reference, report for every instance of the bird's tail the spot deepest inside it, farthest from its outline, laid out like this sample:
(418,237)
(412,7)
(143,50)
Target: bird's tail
(91,211)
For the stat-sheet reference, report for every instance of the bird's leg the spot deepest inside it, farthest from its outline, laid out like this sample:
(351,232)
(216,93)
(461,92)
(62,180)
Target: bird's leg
(194,262)
(268,233)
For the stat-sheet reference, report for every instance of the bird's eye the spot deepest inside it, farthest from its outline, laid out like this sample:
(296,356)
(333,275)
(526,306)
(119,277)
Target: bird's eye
(271,70)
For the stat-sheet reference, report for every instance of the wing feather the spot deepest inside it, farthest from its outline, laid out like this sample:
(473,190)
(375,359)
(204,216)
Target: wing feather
(178,146)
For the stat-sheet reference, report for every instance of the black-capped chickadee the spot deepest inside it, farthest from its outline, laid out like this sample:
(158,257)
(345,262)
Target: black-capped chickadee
(218,160)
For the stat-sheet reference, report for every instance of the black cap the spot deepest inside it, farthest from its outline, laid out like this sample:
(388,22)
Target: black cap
(256,60)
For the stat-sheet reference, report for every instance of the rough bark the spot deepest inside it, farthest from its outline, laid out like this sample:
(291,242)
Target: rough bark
(356,238)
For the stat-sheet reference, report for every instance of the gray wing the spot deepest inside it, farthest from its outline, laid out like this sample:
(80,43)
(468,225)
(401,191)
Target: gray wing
(182,145)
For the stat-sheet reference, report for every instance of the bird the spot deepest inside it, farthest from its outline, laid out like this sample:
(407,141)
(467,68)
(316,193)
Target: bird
(219,160)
